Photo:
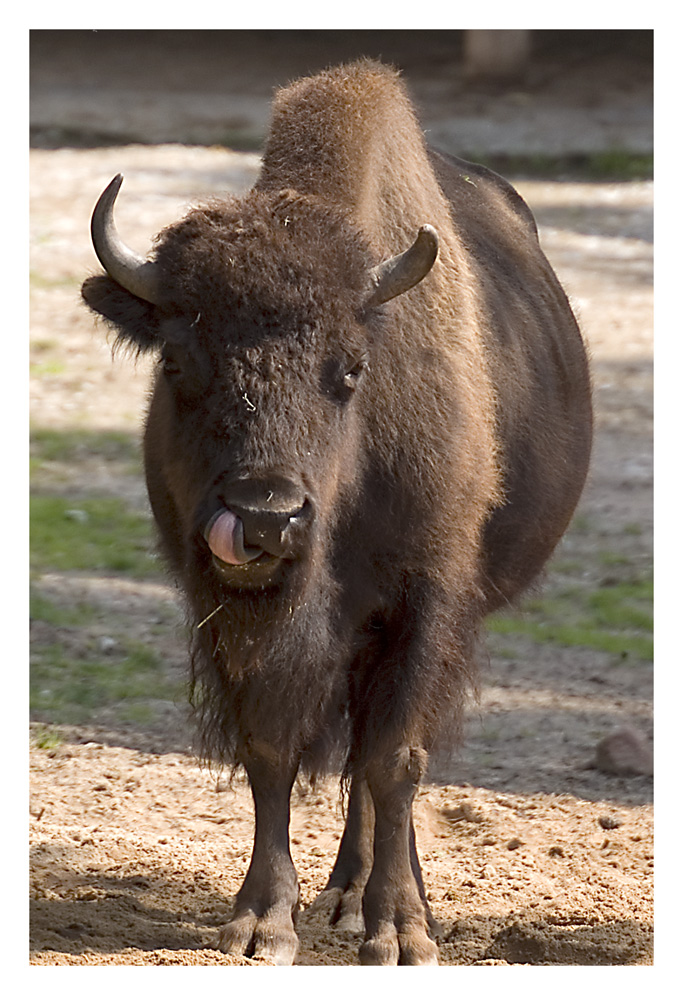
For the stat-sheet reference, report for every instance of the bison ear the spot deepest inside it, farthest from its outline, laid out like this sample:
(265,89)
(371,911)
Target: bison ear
(135,321)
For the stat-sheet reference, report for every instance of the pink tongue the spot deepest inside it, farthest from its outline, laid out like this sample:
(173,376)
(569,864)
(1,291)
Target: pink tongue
(222,535)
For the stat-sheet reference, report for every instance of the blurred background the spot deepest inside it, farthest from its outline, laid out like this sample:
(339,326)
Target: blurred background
(530,94)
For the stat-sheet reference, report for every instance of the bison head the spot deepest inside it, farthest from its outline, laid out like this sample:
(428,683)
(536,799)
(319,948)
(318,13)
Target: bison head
(266,313)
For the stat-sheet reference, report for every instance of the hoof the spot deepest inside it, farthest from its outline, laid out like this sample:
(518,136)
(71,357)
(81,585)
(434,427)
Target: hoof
(340,909)
(390,948)
(266,938)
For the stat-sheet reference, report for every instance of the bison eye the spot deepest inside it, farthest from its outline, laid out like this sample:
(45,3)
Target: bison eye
(353,375)
(340,377)
(170,365)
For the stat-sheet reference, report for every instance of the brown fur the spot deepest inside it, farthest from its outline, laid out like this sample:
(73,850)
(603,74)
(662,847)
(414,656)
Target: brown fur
(440,486)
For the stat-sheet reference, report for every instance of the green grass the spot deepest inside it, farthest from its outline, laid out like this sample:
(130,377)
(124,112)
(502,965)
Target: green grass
(612,164)
(625,606)
(72,676)
(46,738)
(55,455)
(68,686)
(48,368)
(96,534)
(615,619)
(77,445)
(619,164)
(42,609)
(75,678)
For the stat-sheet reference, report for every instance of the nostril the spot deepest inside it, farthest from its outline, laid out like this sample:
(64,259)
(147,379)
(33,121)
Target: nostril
(266,529)
(301,514)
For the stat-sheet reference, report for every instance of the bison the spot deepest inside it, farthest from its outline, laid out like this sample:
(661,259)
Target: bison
(369,426)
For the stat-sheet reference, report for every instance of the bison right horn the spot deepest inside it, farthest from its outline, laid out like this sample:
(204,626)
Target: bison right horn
(404,271)
(130,270)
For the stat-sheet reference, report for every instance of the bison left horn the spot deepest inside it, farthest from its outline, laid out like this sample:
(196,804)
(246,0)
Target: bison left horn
(404,271)
(128,268)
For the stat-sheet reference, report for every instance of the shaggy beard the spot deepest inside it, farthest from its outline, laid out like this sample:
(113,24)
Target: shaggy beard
(268,667)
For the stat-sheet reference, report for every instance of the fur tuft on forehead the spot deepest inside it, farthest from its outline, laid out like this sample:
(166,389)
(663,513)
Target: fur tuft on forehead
(275,253)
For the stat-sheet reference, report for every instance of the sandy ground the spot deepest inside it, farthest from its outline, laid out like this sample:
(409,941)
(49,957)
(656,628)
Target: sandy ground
(530,854)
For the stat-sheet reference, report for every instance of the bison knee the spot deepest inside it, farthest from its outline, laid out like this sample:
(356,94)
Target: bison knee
(396,775)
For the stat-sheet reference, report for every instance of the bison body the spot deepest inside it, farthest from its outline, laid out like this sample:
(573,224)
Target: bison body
(355,449)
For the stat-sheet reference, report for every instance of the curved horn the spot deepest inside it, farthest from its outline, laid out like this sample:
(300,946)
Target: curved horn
(402,272)
(130,270)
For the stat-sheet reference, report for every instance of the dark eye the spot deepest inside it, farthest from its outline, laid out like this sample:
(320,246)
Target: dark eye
(352,376)
(170,364)
(341,375)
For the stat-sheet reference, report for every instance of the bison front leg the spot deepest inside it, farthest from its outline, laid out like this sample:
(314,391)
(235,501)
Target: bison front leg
(262,923)
(397,920)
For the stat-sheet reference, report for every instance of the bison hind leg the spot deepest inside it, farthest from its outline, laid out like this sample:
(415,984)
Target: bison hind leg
(340,904)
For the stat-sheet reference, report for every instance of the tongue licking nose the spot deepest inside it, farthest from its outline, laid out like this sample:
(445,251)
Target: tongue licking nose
(225,536)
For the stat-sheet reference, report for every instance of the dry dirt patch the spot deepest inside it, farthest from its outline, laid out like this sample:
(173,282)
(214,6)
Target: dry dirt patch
(136,858)
(530,854)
